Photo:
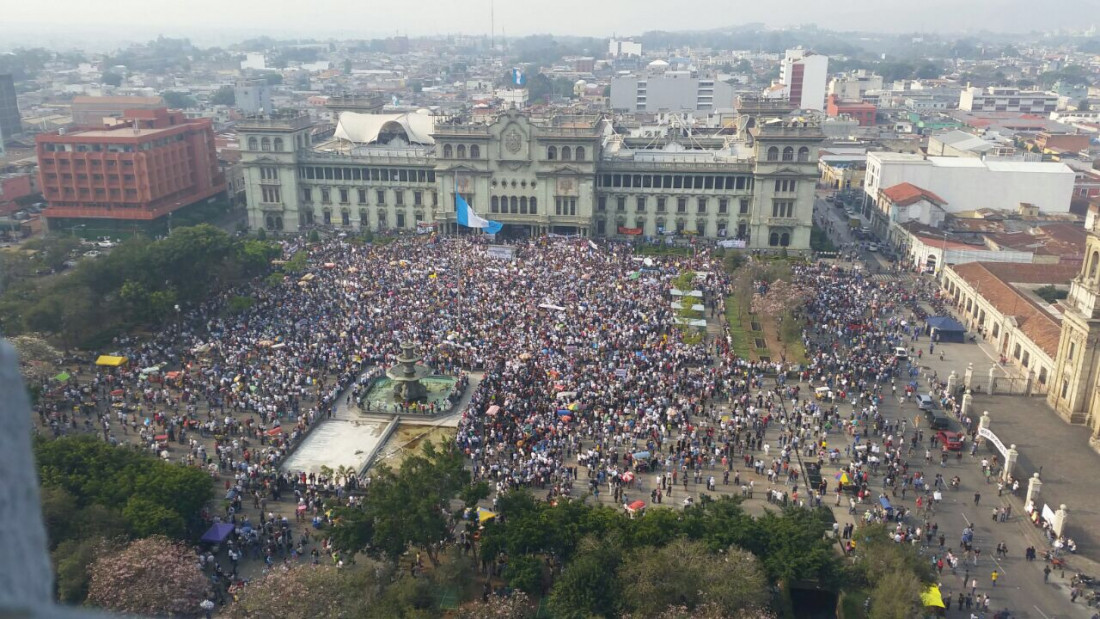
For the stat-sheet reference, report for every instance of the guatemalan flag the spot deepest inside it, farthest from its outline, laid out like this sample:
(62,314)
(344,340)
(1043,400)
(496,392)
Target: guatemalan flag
(518,78)
(467,217)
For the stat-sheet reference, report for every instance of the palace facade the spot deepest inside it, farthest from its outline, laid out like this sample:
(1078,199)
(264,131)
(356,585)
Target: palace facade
(563,174)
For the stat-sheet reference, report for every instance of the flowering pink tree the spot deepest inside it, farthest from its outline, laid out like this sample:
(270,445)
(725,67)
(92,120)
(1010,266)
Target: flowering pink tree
(151,576)
(781,296)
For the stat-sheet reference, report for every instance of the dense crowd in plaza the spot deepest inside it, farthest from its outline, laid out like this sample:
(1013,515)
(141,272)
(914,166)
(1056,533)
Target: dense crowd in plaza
(588,383)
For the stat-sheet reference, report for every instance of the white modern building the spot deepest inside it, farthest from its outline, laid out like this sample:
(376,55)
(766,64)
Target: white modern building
(659,89)
(253,96)
(967,183)
(1003,99)
(853,86)
(620,49)
(805,75)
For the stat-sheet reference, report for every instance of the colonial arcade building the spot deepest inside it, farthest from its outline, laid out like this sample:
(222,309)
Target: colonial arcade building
(563,174)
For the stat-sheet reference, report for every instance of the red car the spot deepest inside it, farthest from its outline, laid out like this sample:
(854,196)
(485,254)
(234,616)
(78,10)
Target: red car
(952,440)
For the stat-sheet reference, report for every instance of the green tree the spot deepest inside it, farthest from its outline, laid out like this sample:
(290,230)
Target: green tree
(225,95)
(178,100)
(733,580)
(408,506)
(588,586)
(524,573)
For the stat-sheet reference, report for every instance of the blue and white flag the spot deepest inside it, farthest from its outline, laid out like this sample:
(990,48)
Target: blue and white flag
(518,78)
(467,217)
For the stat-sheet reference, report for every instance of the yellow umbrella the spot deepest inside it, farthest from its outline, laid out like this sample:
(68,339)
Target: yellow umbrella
(932,597)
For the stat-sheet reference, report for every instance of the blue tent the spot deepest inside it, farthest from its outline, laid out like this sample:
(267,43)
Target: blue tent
(946,329)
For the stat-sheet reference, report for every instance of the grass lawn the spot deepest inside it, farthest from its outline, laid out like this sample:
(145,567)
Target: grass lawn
(738,330)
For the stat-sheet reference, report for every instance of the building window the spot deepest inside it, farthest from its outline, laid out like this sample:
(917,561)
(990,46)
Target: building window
(773,153)
(744,206)
(475,152)
(788,153)
(565,206)
(579,153)
(804,154)
(380,197)
(783,185)
(566,153)
(782,208)
(551,152)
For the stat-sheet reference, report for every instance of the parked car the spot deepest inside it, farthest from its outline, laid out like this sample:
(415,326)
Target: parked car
(951,440)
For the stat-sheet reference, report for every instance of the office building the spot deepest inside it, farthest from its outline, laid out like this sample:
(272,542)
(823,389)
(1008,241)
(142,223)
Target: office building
(153,163)
(536,175)
(804,74)
(102,111)
(624,49)
(659,89)
(1004,99)
(969,183)
(862,113)
(854,85)
(253,96)
(11,124)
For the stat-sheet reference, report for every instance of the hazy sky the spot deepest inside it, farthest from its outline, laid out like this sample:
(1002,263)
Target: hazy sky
(99,22)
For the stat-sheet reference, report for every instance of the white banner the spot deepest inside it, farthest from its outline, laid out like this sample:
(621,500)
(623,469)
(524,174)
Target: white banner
(992,438)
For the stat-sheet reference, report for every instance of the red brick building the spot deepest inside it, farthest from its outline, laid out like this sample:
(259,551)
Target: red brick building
(155,162)
(13,187)
(863,113)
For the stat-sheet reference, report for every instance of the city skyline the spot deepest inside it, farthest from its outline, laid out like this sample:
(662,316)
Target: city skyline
(209,21)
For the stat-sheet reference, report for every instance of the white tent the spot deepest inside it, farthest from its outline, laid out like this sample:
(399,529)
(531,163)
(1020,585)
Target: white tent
(417,127)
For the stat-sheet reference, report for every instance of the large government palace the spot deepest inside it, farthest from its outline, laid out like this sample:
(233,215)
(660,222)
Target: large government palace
(587,175)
